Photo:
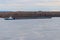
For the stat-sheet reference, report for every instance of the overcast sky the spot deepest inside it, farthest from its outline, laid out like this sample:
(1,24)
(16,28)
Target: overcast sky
(29,5)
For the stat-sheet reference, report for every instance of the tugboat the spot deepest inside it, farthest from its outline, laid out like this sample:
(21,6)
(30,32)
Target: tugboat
(10,18)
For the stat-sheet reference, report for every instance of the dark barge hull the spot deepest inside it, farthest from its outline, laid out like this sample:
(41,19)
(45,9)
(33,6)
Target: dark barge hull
(34,18)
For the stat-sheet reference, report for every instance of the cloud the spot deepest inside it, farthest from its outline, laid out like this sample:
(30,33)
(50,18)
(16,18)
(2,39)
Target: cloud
(48,4)
(55,10)
(27,4)
(55,0)
(30,3)
(16,1)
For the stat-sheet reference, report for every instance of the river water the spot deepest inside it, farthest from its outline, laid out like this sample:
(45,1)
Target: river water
(30,29)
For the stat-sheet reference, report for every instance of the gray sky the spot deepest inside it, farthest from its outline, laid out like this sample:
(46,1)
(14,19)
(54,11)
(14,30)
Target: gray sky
(29,5)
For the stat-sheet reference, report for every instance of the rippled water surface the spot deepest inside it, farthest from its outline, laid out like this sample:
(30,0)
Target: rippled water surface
(30,29)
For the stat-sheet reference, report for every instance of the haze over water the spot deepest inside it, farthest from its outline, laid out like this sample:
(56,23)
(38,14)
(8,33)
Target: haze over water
(30,29)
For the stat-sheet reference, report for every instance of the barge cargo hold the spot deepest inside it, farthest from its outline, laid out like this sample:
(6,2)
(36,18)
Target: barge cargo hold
(29,14)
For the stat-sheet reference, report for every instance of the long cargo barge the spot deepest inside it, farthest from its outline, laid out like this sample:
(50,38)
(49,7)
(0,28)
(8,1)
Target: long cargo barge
(29,14)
